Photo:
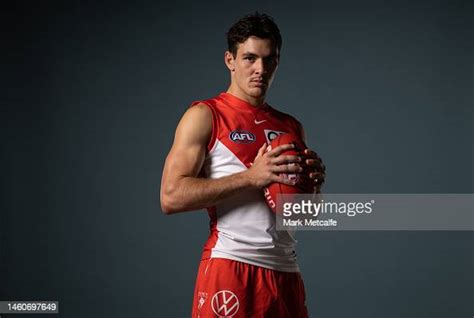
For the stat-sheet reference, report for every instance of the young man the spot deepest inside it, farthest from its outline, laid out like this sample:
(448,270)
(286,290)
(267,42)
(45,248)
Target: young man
(219,160)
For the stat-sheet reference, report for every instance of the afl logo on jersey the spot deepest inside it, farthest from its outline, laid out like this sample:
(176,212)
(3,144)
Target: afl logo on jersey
(242,136)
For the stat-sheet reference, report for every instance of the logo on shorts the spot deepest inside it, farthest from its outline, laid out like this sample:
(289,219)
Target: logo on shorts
(225,304)
(242,136)
(201,299)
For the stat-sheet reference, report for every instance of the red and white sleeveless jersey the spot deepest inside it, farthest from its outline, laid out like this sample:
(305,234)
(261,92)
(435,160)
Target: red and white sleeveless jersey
(243,227)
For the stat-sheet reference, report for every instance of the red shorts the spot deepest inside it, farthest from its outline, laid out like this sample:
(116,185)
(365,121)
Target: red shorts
(232,289)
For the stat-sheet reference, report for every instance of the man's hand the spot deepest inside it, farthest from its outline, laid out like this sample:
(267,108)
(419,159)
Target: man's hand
(317,167)
(268,164)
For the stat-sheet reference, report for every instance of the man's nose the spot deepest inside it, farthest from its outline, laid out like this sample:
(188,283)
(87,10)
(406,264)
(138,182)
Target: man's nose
(260,67)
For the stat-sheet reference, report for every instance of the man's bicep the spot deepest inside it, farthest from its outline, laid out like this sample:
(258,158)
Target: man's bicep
(183,161)
(187,154)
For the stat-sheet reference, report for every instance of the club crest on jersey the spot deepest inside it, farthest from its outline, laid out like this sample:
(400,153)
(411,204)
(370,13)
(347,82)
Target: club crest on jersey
(272,134)
(242,136)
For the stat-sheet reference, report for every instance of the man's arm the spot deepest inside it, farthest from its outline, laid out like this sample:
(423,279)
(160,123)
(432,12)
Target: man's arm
(182,189)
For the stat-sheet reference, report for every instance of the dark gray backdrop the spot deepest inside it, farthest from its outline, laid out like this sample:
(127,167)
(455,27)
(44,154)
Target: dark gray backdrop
(91,95)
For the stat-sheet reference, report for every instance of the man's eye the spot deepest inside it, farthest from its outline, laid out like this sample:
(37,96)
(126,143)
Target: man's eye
(250,58)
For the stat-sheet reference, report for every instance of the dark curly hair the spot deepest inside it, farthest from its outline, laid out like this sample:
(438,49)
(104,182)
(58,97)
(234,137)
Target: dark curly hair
(257,24)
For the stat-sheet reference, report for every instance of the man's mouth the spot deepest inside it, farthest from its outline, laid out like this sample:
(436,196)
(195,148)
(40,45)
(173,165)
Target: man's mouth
(259,82)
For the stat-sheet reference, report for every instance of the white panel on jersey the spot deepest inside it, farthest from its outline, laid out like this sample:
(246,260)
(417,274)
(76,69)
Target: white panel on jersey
(245,224)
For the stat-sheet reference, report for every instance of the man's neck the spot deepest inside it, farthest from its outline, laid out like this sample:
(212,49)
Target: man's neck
(256,102)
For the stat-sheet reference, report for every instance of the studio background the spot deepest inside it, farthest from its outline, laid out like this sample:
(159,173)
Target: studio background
(92,93)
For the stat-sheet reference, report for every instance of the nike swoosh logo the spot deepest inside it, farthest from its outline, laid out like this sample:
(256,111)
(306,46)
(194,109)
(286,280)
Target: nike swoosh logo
(259,121)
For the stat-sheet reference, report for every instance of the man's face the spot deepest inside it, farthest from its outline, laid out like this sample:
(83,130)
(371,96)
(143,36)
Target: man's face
(253,68)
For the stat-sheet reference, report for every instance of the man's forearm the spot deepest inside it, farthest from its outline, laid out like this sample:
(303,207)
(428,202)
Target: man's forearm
(191,193)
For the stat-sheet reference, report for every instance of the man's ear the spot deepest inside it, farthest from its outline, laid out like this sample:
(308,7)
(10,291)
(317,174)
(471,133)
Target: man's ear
(229,60)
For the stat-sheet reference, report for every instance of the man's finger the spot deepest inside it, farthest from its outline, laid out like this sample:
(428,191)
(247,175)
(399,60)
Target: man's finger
(320,175)
(314,162)
(312,155)
(280,149)
(283,180)
(319,180)
(285,159)
(261,151)
(287,168)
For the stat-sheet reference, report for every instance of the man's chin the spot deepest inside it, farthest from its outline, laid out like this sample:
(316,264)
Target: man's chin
(257,92)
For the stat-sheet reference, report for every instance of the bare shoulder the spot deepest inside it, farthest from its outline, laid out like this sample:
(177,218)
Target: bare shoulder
(195,125)
(200,109)
(198,115)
